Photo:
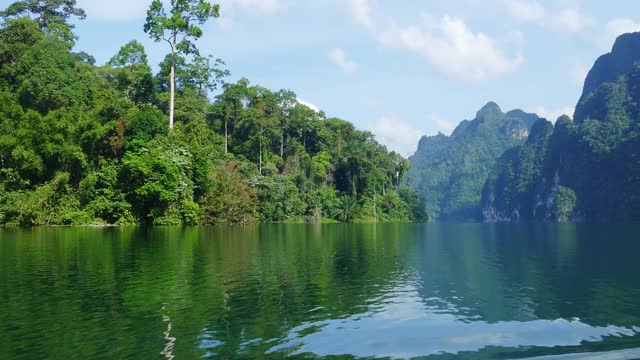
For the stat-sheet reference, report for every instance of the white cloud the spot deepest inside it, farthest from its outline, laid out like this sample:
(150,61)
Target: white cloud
(308,104)
(578,73)
(254,7)
(615,28)
(565,17)
(112,10)
(571,20)
(522,10)
(338,58)
(360,11)
(136,10)
(452,48)
(441,124)
(397,135)
(553,114)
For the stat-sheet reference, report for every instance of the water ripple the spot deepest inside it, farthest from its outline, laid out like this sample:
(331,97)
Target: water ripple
(402,325)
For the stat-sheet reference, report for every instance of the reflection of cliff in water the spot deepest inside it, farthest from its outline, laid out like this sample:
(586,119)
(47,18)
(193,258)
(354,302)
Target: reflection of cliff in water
(469,288)
(241,292)
(527,272)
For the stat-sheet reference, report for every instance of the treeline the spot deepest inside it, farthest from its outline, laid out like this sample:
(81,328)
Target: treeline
(82,144)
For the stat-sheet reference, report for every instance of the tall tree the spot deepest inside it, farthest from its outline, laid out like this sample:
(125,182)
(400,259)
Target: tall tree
(204,75)
(178,27)
(261,116)
(16,38)
(286,102)
(51,15)
(231,100)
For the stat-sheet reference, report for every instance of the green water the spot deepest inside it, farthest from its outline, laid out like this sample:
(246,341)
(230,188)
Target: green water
(313,291)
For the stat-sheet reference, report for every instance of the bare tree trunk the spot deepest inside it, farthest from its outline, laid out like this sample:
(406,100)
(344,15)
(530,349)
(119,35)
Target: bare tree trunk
(260,141)
(282,144)
(173,82)
(225,136)
(375,204)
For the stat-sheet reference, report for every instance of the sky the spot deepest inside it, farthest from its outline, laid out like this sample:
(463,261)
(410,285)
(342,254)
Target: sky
(402,68)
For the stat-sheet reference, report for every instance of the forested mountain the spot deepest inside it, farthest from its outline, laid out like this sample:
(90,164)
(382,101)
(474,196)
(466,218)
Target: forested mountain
(450,171)
(584,170)
(81,143)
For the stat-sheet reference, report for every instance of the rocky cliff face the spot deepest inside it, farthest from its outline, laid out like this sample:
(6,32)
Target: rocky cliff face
(583,170)
(518,188)
(450,171)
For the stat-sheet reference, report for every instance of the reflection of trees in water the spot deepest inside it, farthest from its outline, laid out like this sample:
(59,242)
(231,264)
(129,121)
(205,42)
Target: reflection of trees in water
(286,275)
(525,272)
(231,290)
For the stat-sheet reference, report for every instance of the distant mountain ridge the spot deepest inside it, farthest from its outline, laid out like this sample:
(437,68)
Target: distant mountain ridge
(450,171)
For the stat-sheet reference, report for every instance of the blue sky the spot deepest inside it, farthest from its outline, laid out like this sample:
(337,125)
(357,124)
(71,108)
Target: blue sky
(401,68)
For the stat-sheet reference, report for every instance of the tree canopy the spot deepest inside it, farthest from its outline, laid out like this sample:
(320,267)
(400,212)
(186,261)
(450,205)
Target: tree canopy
(84,143)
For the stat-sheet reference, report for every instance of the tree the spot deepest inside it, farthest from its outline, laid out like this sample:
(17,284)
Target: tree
(180,73)
(51,15)
(49,78)
(145,124)
(85,58)
(231,100)
(199,76)
(181,21)
(286,102)
(261,115)
(16,38)
(230,199)
(133,74)
(130,54)
(204,76)
(564,204)
(345,209)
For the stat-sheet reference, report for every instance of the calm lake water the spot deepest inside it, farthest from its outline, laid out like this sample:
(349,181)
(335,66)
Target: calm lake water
(439,291)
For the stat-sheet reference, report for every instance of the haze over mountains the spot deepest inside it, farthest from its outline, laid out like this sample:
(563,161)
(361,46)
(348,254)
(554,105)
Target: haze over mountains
(518,167)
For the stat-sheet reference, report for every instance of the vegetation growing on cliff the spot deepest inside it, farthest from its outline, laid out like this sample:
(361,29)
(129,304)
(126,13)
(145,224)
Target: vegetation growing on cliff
(450,171)
(587,169)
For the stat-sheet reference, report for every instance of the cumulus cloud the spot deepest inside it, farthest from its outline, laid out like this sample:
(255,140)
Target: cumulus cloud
(522,10)
(571,20)
(452,48)
(360,11)
(308,104)
(339,58)
(112,10)
(553,114)
(567,17)
(615,28)
(254,7)
(397,135)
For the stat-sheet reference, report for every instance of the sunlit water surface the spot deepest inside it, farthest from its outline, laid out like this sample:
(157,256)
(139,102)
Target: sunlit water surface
(438,291)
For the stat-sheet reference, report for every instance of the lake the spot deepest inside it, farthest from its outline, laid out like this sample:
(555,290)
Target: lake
(441,291)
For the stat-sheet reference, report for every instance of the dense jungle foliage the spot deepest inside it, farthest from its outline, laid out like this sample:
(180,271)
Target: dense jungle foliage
(82,143)
(587,169)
